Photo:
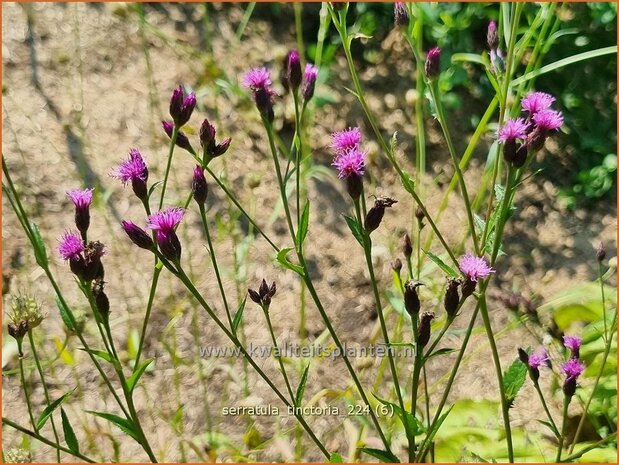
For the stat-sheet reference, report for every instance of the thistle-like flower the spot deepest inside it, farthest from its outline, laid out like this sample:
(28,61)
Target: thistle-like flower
(536,101)
(400,14)
(182,106)
(350,163)
(513,132)
(474,268)
(492,36)
(572,369)
(309,81)
(134,170)
(433,63)
(70,246)
(82,200)
(258,80)
(294,74)
(548,120)
(534,362)
(164,223)
(346,140)
(138,236)
(182,140)
(263,295)
(573,343)
(24,309)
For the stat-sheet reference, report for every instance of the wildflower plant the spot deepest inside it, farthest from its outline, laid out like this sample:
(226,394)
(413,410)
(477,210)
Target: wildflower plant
(461,273)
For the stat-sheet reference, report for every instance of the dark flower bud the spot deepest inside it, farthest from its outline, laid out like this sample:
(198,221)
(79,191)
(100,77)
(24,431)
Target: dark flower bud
(569,387)
(425,328)
(169,244)
(309,81)
(520,157)
(101,300)
(283,77)
(207,136)
(140,188)
(523,356)
(93,268)
(199,188)
(433,62)
(493,35)
(354,186)
(411,299)
(222,147)
(468,287)
(419,214)
(452,299)
(400,15)
(376,213)
(255,296)
(536,139)
(263,295)
(18,330)
(407,246)
(264,103)
(76,265)
(510,148)
(181,106)
(82,200)
(293,70)
(534,374)
(138,236)
(600,252)
(396,265)
(182,140)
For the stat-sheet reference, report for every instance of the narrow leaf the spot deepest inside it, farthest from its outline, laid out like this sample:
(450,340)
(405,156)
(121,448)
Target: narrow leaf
(382,455)
(39,246)
(101,354)
(355,228)
(551,428)
(50,409)
(153,187)
(443,351)
(69,434)
(283,260)
(441,264)
(125,425)
(238,316)
(137,373)
(303,224)
(301,388)
(64,314)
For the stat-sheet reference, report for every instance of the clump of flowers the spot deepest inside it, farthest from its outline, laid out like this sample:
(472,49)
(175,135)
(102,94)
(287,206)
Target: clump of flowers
(263,295)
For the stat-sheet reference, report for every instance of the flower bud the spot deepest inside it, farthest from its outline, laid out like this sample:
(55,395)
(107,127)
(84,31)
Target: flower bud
(169,245)
(101,300)
(82,200)
(93,268)
(293,70)
(492,36)
(138,236)
(181,106)
(600,252)
(309,81)
(207,136)
(407,246)
(425,328)
(452,299)
(354,186)
(263,295)
(400,15)
(375,216)
(396,265)
(569,387)
(182,140)
(199,188)
(411,299)
(468,287)
(523,356)
(18,330)
(433,62)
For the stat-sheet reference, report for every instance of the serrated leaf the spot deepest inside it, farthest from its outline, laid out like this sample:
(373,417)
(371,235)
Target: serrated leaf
(303,224)
(513,380)
(441,264)
(238,316)
(355,228)
(125,425)
(382,455)
(69,434)
(132,381)
(50,409)
(336,458)
(283,260)
(40,253)
(301,388)
(64,314)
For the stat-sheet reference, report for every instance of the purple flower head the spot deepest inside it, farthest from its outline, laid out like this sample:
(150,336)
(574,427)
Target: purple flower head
(538,359)
(199,187)
(346,140)
(492,35)
(166,220)
(433,62)
(513,129)
(258,81)
(70,246)
(293,70)
(134,170)
(474,267)
(573,343)
(181,106)
(350,163)
(309,81)
(182,140)
(208,142)
(573,368)
(80,198)
(257,78)
(400,14)
(537,101)
(548,120)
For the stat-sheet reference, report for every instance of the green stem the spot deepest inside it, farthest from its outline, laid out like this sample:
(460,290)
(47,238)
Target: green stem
(168,165)
(149,307)
(214,262)
(278,356)
(23,382)
(45,391)
(566,403)
(543,400)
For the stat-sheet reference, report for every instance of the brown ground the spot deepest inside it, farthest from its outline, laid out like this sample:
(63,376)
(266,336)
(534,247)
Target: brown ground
(77,97)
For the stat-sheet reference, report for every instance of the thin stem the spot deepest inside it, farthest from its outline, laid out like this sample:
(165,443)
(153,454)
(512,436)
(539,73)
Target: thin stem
(543,400)
(566,403)
(278,355)
(149,306)
(175,130)
(415,382)
(38,437)
(211,249)
(45,391)
(23,382)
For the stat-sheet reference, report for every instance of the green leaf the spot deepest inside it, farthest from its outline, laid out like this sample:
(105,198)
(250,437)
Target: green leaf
(64,314)
(40,253)
(283,260)
(125,425)
(443,351)
(469,58)
(513,379)
(437,425)
(303,224)
(69,434)
(382,455)
(153,187)
(336,458)
(411,425)
(238,316)
(132,381)
(101,354)
(298,398)
(441,264)
(355,228)
(50,408)
(550,427)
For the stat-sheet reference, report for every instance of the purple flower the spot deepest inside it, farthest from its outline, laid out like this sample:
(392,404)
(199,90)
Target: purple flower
(207,140)
(293,70)
(70,246)
(492,36)
(513,129)
(166,220)
(257,78)
(548,120)
(134,170)
(309,81)
(138,235)
(199,187)
(433,62)
(182,140)
(400,15)
(573,343)
(573,368)
(538,359)
(258,81)
(82,200)
(346,140)
(474,267)
(181,106)
(537,101)
(350,163)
